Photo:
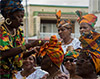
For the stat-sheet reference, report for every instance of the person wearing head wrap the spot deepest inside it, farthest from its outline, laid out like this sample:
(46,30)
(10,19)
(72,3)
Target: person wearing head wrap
(64,30)
(85,64)
(53,56)
(53,50)
(90,39)
(69,62)
(12,44)
(86,22)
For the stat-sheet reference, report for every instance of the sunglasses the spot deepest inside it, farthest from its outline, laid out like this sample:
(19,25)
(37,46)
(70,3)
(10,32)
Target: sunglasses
(71,60)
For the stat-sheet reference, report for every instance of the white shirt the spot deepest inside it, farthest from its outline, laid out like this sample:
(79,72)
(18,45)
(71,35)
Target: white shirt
(75,43)
(39,73)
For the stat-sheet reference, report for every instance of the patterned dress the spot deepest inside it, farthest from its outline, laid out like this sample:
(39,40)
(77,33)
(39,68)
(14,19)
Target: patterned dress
(8,65)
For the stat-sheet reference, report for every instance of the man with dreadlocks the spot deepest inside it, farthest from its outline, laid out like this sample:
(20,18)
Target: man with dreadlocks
(12,44)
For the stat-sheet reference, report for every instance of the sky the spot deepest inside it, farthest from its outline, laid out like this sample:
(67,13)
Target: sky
(59,2)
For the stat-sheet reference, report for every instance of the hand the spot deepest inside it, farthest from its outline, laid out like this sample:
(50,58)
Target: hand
(37,43)
(36,49)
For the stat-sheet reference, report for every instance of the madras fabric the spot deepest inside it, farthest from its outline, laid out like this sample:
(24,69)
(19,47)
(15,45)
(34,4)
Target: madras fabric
(65,23)
(10,6)
(91,43)
(54,50)
(89,18)
(7,42)
(73,53)
(95,58)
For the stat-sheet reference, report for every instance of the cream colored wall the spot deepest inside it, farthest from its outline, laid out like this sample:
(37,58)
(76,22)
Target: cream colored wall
(31,9)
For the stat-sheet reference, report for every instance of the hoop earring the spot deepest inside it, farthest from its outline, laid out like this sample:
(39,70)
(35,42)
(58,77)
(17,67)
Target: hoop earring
(8,22)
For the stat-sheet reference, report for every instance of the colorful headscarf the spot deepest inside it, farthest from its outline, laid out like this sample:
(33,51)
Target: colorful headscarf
(54,50)
(73,53)
(91,43)
(89,18)
(10,6)
(65,23)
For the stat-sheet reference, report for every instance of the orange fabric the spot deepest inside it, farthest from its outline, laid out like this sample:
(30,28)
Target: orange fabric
(63,22)
(54,50)
(89,18)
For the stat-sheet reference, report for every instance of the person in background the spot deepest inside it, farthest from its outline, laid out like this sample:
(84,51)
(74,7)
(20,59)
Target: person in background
(29,71)
(85,64)
(52,57)
(64,31)
(70,62)
(87,22)
(12,44)
(90,39)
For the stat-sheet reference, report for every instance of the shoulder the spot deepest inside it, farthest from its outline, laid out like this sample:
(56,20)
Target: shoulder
(20,29)
(18,75)
(41,71)
(2,29)
(76,43)
(75,39)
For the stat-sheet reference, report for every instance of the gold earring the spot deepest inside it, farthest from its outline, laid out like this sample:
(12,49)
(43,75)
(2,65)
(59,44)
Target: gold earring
(8,22)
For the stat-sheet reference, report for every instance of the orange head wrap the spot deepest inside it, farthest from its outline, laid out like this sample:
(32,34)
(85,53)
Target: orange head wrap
(54,50)
(60,23)
(89,18)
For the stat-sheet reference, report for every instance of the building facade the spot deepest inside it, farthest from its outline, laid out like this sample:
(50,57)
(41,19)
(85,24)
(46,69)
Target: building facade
(42,19)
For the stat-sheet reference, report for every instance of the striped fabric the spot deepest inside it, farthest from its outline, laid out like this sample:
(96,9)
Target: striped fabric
(89,18)
(65,23)
(91,43)
(54,50)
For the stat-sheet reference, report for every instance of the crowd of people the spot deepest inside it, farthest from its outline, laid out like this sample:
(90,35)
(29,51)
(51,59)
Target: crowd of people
(70,58)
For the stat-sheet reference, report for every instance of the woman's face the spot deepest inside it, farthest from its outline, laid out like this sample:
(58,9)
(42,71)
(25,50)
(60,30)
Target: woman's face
(17,19)
(84,27)
(64,32)
(28,63)
(70,64)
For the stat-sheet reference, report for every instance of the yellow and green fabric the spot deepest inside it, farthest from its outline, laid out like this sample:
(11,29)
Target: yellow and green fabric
(73,54)
(89,18)
(91,43)
(7,42)
(54,50)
